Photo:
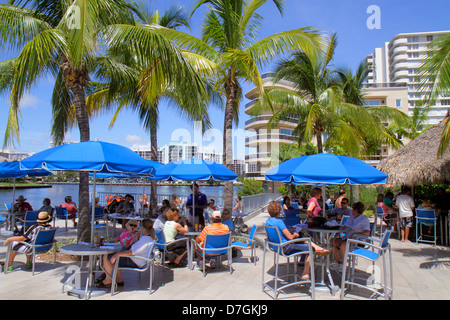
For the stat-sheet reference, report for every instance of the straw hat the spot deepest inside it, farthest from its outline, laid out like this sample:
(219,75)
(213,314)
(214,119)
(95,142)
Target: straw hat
(21,198)
(43,217)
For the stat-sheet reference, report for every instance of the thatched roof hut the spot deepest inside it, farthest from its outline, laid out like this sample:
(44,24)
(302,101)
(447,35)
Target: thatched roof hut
(417,163)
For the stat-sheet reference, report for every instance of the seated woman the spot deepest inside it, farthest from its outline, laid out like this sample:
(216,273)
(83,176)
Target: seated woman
(226,219)
(274,210)
(287,203)
(46,206)
(427,204)
(171,229)
(314,208)
(359,224)
(72,209)
(140,248)
(130,234)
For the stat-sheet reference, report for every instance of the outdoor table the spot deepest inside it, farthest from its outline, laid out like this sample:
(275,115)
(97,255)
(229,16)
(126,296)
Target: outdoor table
(322,237)
(11,218)
(191,235)
(81,249)
(115,216)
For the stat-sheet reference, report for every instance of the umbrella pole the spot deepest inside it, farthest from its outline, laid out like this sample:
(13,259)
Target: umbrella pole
(14,194)
(193,202)
(93,211)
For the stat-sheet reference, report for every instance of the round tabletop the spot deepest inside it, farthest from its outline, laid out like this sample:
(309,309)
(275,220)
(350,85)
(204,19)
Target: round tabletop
(328,230)
(85,249)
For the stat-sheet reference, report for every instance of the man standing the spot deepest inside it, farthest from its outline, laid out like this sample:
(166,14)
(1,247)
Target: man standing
(342,195)
(201,202)
(405,206)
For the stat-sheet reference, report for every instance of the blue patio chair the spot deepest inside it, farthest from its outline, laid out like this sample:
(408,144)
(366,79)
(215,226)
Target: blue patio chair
(29,219)
(3,222)
(291,213)
(245,241)
(216,245)
(273,242)
(61,213)
(149,265)
(162,245)
(427,218)
(43,242)
(371,252)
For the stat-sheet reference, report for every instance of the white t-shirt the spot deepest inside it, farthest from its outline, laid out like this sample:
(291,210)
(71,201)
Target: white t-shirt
(358,224)
(404,204)
(141,248)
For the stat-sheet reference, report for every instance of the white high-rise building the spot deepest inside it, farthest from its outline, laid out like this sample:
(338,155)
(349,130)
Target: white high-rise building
(396,63)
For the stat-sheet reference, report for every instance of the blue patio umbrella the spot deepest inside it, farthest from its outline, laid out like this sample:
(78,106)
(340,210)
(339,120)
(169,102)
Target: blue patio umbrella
(194,169)
(12,170)
(326,168)
(91,156)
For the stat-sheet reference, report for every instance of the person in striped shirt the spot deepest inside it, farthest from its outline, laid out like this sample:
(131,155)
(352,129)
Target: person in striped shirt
(217,227)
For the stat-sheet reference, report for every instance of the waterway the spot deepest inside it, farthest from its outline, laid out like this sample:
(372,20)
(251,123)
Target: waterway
(58,191)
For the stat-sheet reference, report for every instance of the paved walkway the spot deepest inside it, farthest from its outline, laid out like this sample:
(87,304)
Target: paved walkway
(421,272)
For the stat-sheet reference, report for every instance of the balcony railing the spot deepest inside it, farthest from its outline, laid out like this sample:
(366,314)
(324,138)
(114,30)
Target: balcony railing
(267,118)
(270,137)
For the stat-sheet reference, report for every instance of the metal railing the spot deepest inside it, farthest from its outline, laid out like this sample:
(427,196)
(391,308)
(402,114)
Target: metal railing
(255,202)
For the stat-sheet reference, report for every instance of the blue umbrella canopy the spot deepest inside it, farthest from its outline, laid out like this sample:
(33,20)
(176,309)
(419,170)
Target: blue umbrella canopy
(12,170)
(94,156)
(326,168)
(194,169)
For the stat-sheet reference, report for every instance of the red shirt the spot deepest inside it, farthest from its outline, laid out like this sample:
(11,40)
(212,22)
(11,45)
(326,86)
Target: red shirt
(22,208)
(71,209)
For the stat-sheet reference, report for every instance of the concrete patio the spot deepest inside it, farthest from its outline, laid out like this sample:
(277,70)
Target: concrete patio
(421,272)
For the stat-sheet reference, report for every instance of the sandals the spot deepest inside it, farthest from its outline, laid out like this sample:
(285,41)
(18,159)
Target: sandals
(323,252)
(305,277)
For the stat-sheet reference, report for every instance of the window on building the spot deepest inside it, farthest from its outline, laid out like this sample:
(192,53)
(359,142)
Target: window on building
(413,39)
(398,103)
(429,38)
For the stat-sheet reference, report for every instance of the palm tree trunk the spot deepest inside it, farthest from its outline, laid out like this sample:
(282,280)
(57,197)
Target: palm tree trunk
(228,143)
(154,157)
(84,223)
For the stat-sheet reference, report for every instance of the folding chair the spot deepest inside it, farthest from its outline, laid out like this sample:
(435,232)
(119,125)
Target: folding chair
(44,241)
(61,213)
(425,217)
(216,245)
(162,244)
(149,264)
(274,243)
(245,241)
(370,252)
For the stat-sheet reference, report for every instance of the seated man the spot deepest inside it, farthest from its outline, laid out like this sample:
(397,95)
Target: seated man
(126,206)
(344,210)
(217,227)
(226,219)
(359,224)
(20,207)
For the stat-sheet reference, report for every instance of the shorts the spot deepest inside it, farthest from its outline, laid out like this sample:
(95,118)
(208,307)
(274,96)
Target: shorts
(295,247)
(125,262)
(178,247)
(406,222)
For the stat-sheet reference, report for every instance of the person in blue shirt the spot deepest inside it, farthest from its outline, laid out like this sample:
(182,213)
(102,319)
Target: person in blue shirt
(226,219)
(201,202)
(274,209)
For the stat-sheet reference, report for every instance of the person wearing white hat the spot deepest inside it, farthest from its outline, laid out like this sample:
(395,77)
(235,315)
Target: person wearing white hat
(42,222)
(217,227)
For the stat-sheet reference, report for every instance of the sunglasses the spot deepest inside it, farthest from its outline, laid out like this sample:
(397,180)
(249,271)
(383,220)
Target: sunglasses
(344,203)
(133,225)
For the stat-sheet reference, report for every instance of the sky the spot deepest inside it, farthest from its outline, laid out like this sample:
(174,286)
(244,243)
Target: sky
(359,28)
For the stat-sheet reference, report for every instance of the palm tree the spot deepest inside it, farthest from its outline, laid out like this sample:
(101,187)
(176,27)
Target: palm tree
(230,30)
(434,77)
(179,95)
(63,39)
(318,102)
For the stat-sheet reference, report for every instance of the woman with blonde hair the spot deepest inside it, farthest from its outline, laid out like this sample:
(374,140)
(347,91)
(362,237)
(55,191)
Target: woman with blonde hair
(138,249)
(172,228)
(176,202)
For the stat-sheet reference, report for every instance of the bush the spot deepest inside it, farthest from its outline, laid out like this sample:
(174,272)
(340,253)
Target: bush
(250,187)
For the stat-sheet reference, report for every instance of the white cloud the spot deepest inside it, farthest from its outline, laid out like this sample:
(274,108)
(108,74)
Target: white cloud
(30,101)
(137,143)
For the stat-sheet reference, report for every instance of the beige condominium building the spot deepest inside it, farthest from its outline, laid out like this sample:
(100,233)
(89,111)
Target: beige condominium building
(391,82)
